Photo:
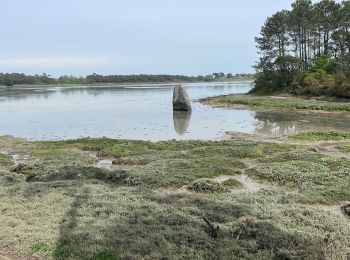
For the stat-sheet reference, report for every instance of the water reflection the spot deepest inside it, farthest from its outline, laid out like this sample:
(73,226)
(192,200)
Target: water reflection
(278,123)
(181,121)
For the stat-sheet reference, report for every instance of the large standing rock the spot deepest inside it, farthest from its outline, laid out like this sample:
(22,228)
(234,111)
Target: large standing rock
(180,99)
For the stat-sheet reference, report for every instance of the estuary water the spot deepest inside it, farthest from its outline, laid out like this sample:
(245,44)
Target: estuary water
(143,112)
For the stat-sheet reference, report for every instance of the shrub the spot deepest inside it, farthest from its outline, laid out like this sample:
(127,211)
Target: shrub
(232,183)
(5,161)
(40,173)
(318,83)
(206,186)
(342,87)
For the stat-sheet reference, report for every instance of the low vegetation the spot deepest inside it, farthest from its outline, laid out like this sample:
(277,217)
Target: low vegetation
(277,102)
(5,161)
(344,147)
(214,186)
(206,186)
(60,205)
(316,178)
(323,136)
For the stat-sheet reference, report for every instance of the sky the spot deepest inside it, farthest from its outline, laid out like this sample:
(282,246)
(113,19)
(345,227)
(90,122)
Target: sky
(80,37)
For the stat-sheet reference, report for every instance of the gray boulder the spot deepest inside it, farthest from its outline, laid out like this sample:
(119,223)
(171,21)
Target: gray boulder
(181,102)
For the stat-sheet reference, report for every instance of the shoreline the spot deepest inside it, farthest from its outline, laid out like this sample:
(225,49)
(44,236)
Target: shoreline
(268,103)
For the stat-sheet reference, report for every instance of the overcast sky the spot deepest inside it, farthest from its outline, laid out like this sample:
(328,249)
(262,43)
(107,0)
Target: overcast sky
(79,37)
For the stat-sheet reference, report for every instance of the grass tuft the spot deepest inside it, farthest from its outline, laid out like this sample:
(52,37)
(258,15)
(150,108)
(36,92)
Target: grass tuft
(206,186)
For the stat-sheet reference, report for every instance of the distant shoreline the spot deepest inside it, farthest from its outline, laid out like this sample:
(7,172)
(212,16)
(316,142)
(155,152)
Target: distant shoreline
(13,79)
(122,84)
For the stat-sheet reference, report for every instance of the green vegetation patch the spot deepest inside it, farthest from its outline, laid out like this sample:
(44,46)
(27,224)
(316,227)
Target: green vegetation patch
(323,136)
(276,102)
(326,180)
(232,183)
(133,150)
(344,148)
(206,186)
(5,161)
(44,172)
(212,186)
(189,170)
(42,248)
(161,164)
(132,161)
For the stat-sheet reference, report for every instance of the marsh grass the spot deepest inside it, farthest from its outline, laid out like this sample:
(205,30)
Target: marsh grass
(323,136)
(5,161)
(131,161)
(63,207)
(344,148)
(206,186)
(232,183)
(212,186)
(318,178)
(276,102)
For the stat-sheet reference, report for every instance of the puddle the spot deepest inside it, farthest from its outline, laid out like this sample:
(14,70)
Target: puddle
(221,179)
(21,159)
(331,149)
(249,185)
(106,164)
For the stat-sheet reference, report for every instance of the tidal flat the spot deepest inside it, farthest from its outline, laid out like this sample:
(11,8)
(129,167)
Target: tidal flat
(242,198)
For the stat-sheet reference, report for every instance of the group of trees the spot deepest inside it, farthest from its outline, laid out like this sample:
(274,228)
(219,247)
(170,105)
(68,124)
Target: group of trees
(10,79)
(306,50)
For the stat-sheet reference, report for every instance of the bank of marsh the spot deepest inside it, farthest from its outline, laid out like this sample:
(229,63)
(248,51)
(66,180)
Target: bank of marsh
(157,198)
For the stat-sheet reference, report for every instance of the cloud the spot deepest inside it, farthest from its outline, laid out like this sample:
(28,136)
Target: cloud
(55,62)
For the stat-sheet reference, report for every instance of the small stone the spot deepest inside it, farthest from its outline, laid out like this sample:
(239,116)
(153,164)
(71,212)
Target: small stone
(346,209)
(181,101)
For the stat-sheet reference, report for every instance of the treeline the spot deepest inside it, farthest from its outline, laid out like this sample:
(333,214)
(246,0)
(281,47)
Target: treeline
(306,50)
(10,79)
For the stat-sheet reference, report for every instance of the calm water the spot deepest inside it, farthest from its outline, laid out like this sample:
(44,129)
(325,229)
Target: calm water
(141,112)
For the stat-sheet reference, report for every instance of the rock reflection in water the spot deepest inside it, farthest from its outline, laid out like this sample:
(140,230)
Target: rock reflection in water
(181,121)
